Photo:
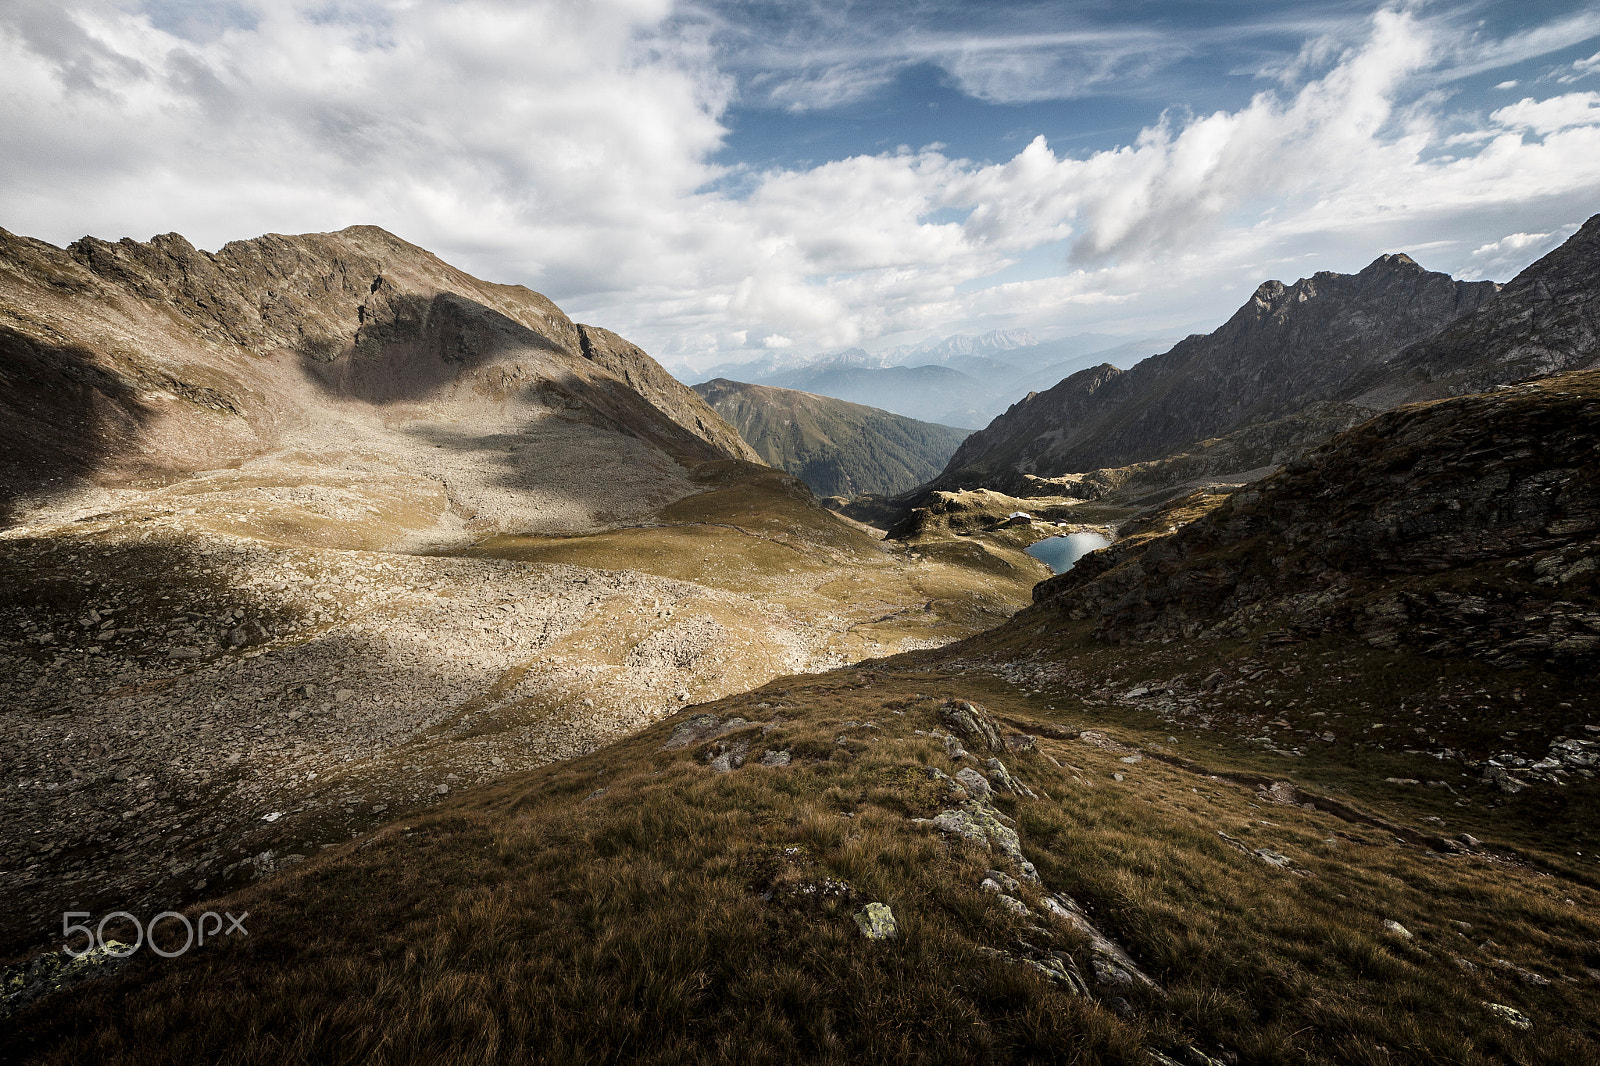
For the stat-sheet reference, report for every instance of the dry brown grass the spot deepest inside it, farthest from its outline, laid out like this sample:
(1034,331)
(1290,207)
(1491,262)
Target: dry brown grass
(530,921)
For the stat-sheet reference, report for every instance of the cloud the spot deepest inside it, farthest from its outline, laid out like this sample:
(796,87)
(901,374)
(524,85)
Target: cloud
(1581,68)
(569,145)
(1550,115)
(1499,260)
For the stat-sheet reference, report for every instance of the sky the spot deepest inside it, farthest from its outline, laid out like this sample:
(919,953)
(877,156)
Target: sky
(720,179)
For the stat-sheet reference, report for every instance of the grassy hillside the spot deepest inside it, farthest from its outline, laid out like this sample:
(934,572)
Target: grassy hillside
(836,447)
(640,904)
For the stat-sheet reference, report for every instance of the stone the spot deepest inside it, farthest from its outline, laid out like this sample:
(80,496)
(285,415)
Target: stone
(876,922)
(972,724)
(1014,905)
(979,822)
(1510,1015)
(1394,928)
(775,758)
(976,785)
(728,756)
(1003,778)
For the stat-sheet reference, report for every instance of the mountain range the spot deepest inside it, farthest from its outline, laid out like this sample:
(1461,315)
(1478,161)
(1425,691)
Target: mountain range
(524,713)
(1287,349)
(963,380)
(837,448)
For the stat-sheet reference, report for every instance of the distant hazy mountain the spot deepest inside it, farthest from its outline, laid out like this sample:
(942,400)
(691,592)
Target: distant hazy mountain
(929,393)
(1287,349)
(963,380)
(836,447)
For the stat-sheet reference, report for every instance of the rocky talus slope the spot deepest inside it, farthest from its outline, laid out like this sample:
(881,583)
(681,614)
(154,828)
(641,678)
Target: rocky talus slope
(1288,347)
(836,447)
(1468,526)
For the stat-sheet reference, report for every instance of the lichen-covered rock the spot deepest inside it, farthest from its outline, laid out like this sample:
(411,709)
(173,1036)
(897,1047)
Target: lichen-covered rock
(729,755)
(977,821)
(1003,778)
(973,724)
(54,970)
(876,922)
(976,785)
(1510,1015)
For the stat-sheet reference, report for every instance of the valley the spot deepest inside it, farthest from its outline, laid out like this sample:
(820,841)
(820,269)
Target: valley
(527,711)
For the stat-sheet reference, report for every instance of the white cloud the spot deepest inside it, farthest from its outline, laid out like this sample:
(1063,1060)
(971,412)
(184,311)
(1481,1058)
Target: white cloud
(568,145)
(1499,260)
(1582,68)
(1550,115)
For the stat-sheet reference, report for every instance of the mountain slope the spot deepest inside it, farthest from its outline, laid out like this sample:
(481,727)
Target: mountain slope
(1306,775)
(1461,526)
(323,527)
(1226,837)
(125,359)
(1546,320)
(1287,348)
(836,447)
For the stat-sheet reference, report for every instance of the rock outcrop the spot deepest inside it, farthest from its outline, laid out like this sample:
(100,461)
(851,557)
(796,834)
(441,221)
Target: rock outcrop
(1463,526)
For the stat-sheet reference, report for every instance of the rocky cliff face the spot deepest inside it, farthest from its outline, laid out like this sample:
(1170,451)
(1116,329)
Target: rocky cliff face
(1462,526)
(1286,349)
(1544,321)
(837,447)
(127,359)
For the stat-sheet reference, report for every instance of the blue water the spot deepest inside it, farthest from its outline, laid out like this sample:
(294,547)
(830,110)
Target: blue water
(1059,553)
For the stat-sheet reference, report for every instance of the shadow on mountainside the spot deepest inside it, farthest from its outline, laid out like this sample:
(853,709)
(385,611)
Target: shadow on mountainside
(415,349)
(62,418)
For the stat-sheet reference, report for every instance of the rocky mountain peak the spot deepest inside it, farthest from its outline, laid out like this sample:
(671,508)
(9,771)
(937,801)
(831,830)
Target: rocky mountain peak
(125,356)
(1287,348)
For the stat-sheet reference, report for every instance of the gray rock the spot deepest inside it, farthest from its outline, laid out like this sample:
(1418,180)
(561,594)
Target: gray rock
(1394,928)
(876,922)
(1014,905)
(1003,778)
(1510,1015)
(972,724)
(728,756)
(979,822)
(976,785)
